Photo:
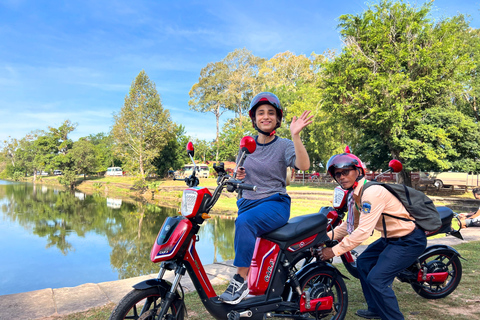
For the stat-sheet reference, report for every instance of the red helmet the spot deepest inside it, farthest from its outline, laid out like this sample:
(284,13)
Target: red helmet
(345,160)
(265,98)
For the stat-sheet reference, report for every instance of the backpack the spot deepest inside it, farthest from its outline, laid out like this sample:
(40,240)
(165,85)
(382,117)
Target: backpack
(417,204)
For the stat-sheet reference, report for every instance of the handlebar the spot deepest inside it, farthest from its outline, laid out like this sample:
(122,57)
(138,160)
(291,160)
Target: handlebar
(248,187)
(233,184)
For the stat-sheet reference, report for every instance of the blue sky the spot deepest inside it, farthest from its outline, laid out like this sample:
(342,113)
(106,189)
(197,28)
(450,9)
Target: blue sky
(77,59)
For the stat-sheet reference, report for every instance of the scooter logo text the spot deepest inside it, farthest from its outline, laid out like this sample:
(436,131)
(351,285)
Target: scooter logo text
(269,271)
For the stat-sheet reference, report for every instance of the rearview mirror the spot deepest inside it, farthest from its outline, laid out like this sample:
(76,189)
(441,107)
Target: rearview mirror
(395,165)
(190,149)
(248,144)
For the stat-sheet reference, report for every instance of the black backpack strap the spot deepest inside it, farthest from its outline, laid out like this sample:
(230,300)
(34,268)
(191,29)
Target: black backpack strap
(371,183)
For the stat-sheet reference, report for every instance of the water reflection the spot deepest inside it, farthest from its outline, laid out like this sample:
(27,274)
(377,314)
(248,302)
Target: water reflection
(114,203)
(74,232)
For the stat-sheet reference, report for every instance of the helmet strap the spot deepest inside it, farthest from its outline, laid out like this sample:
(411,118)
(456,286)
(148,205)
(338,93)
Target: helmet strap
(268,134)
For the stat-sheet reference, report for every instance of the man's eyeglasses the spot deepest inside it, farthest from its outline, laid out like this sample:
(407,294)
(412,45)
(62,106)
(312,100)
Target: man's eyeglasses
(342,173)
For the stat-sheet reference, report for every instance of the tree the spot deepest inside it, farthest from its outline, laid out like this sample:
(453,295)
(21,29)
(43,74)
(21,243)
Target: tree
(143,127)
(232,133)
(242,82)
(83,156)
(295,80)
(104,154)
(61,135)
(210,93)
(172,156)
(396,70)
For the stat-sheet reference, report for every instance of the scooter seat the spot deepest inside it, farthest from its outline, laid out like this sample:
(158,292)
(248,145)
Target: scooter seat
(299,226)
(445,212)
(446,215)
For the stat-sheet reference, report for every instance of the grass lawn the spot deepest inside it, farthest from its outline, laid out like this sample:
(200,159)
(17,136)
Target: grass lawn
(462,304)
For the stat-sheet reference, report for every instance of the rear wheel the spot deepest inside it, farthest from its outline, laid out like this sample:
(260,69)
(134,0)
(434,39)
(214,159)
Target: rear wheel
(145,305)
(323,283)
(443,261)
(351,266)
(438,184)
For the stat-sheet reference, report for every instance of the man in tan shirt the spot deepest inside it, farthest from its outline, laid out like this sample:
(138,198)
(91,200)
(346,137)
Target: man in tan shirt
(400,245)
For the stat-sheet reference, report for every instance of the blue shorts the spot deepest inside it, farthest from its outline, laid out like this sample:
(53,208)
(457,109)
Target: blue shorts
(256,217)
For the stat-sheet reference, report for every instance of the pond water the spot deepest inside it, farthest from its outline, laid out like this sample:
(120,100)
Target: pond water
(52,238)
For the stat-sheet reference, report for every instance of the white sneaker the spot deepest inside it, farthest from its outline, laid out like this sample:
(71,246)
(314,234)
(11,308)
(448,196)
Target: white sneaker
(236,291)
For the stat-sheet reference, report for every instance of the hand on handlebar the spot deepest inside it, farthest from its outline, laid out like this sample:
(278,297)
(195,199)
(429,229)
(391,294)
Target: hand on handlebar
(241,173)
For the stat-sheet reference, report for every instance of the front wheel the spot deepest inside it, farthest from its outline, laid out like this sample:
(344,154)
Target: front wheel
(443,261)
(322,283)
(144,305)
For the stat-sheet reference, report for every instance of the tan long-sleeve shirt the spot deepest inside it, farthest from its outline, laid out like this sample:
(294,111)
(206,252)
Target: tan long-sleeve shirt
(375,201)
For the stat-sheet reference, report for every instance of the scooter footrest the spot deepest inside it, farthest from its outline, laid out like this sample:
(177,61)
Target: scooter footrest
(233,315)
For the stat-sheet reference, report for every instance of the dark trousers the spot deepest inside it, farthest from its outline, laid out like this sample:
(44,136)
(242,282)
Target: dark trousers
(378,266)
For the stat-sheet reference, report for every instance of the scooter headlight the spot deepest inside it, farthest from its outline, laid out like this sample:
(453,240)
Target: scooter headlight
(189,199)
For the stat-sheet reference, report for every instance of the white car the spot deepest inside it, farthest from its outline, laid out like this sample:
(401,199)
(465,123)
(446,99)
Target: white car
(114,171)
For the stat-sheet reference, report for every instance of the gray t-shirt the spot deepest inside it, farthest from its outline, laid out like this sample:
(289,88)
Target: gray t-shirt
(266,168)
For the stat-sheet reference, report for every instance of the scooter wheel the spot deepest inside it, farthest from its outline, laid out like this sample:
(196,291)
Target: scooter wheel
(321,283)
(443,261)
(144,305)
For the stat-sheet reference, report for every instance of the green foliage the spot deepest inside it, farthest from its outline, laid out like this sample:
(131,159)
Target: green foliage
(226,85)
(142,128)
(104,154)
(140,184)
(83,156)
(97,185)
(397,70)
(230,138)
(68,179)
(18,176)
(173,155)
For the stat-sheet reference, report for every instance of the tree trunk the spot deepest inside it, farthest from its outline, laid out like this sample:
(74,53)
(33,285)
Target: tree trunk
(141,167)
(218,133)
(405,178)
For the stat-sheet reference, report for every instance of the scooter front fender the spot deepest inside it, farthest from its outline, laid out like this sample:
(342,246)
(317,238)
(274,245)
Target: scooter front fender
(438,248)
(162,285)
(318,264)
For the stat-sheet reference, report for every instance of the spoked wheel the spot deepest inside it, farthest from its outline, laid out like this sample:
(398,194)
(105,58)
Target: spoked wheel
(437,262)
(145,305)
(324,283)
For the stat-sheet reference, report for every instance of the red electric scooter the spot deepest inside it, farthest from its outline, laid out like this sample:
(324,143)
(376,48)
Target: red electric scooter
(277,289)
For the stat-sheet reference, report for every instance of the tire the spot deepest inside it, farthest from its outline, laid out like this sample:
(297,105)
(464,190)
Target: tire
(438,184)
(350,266)
(130,307)
(442,261)
(322,283)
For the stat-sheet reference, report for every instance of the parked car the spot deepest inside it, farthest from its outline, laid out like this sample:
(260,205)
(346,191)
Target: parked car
(42,173)
(203,171)
(57,173)
(446,179)
(114,171)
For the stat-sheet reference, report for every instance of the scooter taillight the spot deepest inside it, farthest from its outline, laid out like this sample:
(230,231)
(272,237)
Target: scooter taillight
(170,238)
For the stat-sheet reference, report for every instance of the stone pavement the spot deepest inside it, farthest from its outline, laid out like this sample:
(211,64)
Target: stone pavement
(59,302)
